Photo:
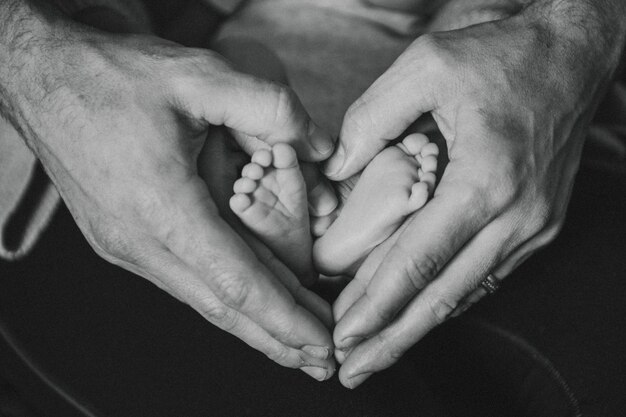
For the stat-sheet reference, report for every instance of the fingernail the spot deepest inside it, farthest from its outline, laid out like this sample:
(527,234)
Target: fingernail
(357,380)
(323,200)
(341,355)
(320,140)
(334,164)
(349,342)
(317,373)
(318,352)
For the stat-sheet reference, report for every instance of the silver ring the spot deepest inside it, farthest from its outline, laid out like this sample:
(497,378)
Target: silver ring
(490,284)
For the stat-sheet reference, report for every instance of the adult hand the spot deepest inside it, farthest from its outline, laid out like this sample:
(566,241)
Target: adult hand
(512,99)
(118,123)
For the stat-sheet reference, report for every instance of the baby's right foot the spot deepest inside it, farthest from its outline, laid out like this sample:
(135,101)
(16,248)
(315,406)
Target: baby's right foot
(271,200)
(396,183)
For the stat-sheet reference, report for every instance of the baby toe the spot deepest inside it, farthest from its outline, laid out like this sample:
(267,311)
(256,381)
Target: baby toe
(430,149)
(244,185)
(252,171)
(262,157)
(429,163)
(415,142)
(419,196)
(319,225)
(239,202)
(429,179)
(284,156)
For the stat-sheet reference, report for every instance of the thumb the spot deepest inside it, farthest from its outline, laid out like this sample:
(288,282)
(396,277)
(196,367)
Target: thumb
(380,115)
(266,110)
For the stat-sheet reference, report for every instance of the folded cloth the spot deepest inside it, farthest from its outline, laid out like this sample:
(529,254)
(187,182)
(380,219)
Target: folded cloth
(17,166)
(134,10)
(332,49)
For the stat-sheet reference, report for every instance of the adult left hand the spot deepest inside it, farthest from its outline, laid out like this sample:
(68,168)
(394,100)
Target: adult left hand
(513,99)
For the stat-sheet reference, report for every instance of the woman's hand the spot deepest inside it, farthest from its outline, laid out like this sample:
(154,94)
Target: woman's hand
(513,99)
(118,123)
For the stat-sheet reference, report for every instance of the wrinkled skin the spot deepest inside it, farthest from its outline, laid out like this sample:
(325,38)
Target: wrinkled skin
(513,99)
(118,123)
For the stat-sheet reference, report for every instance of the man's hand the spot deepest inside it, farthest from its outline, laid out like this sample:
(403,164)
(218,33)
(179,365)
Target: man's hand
(118,123)
(512,99)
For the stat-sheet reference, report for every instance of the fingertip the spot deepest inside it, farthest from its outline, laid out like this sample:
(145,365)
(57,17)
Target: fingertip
(349,379)
(319,374)
(333,168)
(356,381)
(321,141)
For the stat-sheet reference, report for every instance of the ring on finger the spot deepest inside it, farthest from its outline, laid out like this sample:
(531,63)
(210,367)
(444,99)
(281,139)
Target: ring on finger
(490,284)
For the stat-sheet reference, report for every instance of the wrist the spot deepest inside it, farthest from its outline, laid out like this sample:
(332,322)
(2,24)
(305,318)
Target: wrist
(33,37)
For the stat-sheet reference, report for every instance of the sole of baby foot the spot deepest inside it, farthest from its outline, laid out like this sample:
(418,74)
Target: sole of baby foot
(270,199)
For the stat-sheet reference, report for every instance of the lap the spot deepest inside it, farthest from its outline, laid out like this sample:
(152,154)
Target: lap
(122,346)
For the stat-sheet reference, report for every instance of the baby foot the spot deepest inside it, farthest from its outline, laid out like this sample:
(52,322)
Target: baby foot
(396,183)
(270,199)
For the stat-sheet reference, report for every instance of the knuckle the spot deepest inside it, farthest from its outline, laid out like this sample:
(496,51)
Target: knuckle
(470,193)
(394,354)
(433,52)
(231,289)
(497,183)
(505,188)
(384,315)
(219,315)
(441,308)
(421,269)
(286,103)
(358,118)
(110,242)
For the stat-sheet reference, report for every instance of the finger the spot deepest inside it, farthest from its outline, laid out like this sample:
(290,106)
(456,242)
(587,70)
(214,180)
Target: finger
(194,292)
(303,296)
(423,249)
(356,288)
(313,360)
(258,108)
(433,305)
(381,114)
(213,174)
(506,267)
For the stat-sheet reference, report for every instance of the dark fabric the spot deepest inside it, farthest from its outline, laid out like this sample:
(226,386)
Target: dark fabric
(552,337)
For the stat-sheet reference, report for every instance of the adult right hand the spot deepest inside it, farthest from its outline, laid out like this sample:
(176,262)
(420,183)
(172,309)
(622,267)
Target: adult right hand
(118,123)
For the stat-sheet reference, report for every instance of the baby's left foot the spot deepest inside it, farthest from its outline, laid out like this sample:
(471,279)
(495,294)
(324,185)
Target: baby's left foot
(270,199)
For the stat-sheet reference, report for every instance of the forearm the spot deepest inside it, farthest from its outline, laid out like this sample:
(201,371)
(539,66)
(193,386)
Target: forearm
(46,63)
(25,37)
